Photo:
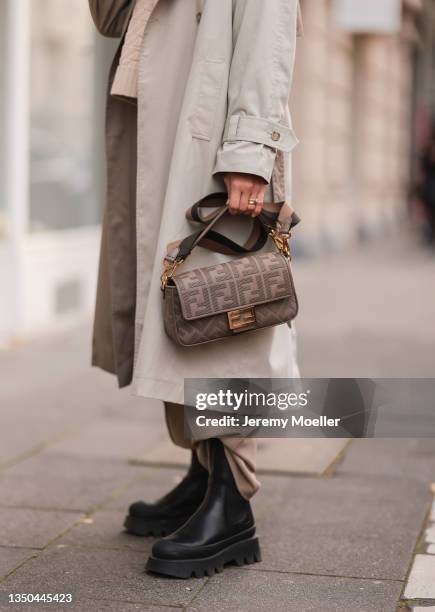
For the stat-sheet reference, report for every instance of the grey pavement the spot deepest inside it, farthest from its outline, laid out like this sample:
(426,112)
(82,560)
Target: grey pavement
(369,312)
(344,527)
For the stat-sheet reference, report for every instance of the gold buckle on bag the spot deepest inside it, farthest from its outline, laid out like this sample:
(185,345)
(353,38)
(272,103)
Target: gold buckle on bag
(281,241)
(240,318)
(169,270)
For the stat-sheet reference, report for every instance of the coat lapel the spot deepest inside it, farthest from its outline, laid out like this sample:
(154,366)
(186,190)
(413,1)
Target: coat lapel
(152,5)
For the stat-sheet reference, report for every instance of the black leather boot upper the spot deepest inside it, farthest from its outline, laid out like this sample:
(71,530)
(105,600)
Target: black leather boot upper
(223,518)
(181,502)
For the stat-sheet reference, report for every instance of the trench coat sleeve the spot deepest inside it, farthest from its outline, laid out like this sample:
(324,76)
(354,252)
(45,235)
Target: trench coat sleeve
(111,16)
(257,125)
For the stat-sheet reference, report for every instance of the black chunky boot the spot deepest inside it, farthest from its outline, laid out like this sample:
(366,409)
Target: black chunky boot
(221,530)
(174,509)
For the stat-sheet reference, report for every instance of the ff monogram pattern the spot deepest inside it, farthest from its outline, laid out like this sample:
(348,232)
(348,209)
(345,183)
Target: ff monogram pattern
(248,281)
(197,302)
(209,329)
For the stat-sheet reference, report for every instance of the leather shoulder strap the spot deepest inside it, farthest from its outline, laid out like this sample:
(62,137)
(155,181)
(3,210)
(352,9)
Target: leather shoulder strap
(275,217)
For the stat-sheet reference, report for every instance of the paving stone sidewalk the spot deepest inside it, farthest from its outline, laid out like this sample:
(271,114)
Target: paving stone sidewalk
(358,536)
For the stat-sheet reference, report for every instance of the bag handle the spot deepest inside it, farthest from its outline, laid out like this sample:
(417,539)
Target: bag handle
(276,220)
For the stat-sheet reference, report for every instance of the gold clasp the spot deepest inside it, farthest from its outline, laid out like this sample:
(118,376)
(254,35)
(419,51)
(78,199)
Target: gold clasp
(169,271)
(281,241)
(241,318)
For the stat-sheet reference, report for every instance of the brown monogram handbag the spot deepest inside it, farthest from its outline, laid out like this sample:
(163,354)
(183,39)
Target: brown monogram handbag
(242,295)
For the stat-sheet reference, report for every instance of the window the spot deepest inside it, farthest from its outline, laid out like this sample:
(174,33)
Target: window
(62,125)
(2,122)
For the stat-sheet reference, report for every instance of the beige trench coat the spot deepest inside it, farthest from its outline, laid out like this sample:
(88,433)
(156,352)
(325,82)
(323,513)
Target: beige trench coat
(212,98)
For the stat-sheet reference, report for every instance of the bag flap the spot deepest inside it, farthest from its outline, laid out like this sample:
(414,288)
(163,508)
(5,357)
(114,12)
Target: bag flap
(239,283)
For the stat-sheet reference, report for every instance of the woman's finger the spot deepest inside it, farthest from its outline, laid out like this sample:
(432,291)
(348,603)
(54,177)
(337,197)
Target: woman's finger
(244,202)
(257,210)
(252,203)
(254,198)
(234,199)
(259,197)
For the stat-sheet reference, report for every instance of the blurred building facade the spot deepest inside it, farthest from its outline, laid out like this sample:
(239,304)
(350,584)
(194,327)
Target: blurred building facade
(53,70)
(361,102)
(354,105)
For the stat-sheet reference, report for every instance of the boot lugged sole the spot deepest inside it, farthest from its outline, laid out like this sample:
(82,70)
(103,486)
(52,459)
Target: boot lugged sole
(241,553)
(157,529)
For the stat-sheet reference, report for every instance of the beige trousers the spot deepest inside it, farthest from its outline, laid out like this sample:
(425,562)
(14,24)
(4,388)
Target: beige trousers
(240,452)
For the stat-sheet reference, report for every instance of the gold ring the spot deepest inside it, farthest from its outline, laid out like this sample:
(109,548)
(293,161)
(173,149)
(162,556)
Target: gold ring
(253,202)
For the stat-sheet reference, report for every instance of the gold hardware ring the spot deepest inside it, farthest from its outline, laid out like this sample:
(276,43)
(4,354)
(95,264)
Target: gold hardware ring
(169,270)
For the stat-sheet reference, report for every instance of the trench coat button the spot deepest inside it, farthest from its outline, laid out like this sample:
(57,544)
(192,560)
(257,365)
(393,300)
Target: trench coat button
(276,136)
(198,17)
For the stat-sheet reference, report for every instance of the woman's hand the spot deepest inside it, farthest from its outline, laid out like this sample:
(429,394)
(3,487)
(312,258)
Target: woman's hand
(245,193)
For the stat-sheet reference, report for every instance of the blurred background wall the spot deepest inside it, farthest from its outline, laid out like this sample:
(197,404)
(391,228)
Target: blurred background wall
(53,71)
(362,103)
(364,80)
